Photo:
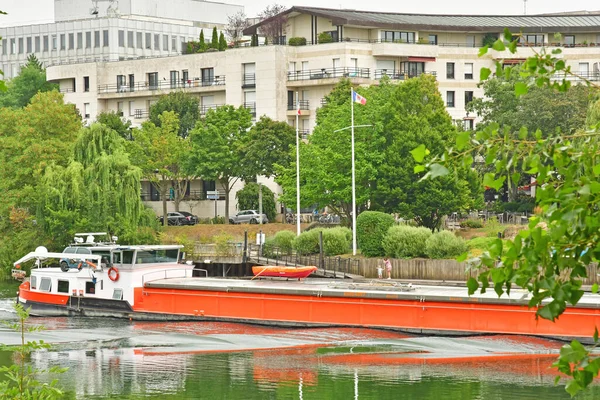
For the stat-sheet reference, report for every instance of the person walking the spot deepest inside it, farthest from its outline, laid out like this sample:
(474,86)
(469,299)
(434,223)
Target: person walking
(388,267)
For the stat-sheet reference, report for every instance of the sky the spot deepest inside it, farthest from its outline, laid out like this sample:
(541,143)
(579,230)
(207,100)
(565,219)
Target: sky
(24,12)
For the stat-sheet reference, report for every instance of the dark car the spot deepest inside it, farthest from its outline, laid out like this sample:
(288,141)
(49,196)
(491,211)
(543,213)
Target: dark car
(177,218)
(193,218)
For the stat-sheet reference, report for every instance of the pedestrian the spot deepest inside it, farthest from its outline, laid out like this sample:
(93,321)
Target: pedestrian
(379,271)
(388,267)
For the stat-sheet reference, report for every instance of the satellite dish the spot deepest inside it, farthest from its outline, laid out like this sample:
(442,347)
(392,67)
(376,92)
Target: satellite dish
(41,250)
(89,239)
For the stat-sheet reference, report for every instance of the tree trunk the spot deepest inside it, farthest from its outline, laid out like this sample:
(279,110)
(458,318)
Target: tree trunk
(163,195)
(227,190)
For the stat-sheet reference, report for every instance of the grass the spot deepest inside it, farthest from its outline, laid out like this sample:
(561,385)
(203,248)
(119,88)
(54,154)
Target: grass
(206,233)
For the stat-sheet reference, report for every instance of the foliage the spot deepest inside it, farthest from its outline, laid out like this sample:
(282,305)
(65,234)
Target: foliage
(116,122)
(273,22)
(217,146)
(202,46)
(214,42)
(297,41)
(404,241)
(267,145)
(223,244)
(21,382)
(284,240)
(336,241)
(184,105)
(371,227)
(489,39)
(248,199)
(22,88)
(482,243)
(222,42)
(471,223)
(236,23)
(444,244)
(254,40)
(308,242)
(324,37)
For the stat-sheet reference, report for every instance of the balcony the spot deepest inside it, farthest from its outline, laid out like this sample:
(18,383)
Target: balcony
(251,106)
(192,195)
(139,114)
(248,81)
(303,133)
(139,89)
(204,108)
(400,75)
(578,77)
(328,73)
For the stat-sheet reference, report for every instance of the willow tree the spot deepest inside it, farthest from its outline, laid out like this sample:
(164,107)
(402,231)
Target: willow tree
(98,190)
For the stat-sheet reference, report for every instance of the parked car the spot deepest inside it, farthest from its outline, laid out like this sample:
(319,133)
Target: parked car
(192,218)
(248,216)
(177,218)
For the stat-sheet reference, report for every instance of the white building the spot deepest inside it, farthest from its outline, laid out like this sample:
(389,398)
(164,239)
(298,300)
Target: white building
(366,46)
(111,30)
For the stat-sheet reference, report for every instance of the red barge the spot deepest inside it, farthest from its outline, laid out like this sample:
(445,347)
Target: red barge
(148,283)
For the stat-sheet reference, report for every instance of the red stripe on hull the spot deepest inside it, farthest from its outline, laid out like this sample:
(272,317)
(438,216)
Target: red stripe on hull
(401,314)
(41,297)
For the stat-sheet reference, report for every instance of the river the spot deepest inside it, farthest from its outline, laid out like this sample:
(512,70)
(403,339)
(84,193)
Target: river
(119,359)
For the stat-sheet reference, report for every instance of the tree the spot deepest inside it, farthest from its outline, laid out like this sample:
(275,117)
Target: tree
(116,122)
(266,145)
(214,42)
(2,84)
(248,199)
(22,88)
(186,106)
(33,61)
(236,23)
(222,42)
(160,152)
(202,46)
(216,147)
(273,22)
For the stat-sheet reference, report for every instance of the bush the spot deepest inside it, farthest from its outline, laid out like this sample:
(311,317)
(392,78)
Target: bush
(325,37)
(371,227)
(444,244)
(472,223)
(308,242)
(297,41)
(481,243)
(285,241)
(335,241)
(404,241)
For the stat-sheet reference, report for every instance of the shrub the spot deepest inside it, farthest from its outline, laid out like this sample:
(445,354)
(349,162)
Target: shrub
(371,227)
(285,241)
(308,242)
(335,241)
(325,37)
(297,41)
(444,244)
(471,223)
(481,243)
(405,241)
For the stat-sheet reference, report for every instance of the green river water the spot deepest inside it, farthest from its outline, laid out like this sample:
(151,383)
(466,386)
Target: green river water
(117,359)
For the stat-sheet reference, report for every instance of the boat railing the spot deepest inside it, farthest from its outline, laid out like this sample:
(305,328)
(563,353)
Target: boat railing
(170,274)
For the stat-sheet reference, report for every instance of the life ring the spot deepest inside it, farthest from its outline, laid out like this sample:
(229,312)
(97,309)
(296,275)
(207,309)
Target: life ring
(113,274)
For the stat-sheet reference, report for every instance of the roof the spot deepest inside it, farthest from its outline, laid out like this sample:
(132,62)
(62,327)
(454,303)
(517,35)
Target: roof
(563,23)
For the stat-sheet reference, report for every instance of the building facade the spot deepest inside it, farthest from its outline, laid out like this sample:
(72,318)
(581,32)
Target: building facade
(363,47)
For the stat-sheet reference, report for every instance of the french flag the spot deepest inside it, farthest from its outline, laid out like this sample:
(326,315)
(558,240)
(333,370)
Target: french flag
(357,98)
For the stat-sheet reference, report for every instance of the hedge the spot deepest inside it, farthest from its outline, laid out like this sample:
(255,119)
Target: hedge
(444,244)
(471,223)
(336,241)
(371,227)
(284,240)
(405,241)
(297,41)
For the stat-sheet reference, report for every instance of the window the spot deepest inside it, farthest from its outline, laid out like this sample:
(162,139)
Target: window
(13,46)
(62,287)
(153,80)
(173,43)
(45,43)
(37,44)
(450,99)
(63,41)
(174,79)
(29,46)
(535,40)
(128,254)
(79,40)
(131,108)
(71,41)
(468,124)
(88,40)
(86,83)
(433,39)
(397,37)
(96,38)
(21,46)
(132,82)
(450,70)
(90,287)
(121,83)
(86,110)
(185,76)
(304,65)
(208,76)
(468,97)
(117,294)
(33,282)
(149,41)
(120,108)
(138,40)
(45,285)
(584,70)
(4,42)
(468,70)
(249,78)
(156,41)
(54,42)
(105,38)
(165,42)
(121,38)
(569,40)
(470,40)
(130,39)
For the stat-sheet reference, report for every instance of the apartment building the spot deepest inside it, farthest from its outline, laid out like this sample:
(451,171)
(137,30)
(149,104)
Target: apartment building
(111,30)
(364,47)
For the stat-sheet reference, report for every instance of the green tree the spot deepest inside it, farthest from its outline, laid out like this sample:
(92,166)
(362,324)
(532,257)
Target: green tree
(202,46)
(222,42)
(116,122)
(216,147)
(160,152)
(186,106)
(33,61)
(22,88)
(267,145)
(214,42)
(248,199)
(2,84)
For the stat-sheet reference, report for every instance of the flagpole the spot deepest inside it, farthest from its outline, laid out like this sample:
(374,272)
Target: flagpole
(297,168)
(353,176)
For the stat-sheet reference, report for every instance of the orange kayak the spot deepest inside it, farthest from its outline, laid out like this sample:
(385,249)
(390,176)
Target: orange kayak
(284,272)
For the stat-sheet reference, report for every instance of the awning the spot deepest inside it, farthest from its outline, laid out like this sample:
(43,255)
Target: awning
(513,61)
(421,59)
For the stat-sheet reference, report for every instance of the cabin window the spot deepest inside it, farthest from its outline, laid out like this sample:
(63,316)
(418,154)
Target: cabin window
(128,257)
(90,287)
(45,284)
(33,282)
(156,256)
(63,286)
(117,294)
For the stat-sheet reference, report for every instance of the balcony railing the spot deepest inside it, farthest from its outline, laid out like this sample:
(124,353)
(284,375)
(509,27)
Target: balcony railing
(578,76)
(251,106)
(162,85)
(323,101)
(138,113)
(204,109)
(325,73)
(191,195)
(303,133)
(380,73)
(248,81)
(302,105)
